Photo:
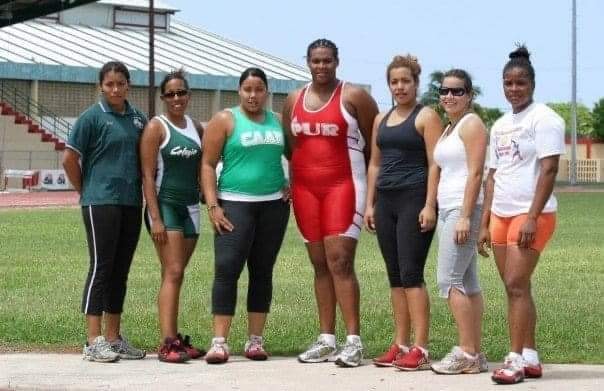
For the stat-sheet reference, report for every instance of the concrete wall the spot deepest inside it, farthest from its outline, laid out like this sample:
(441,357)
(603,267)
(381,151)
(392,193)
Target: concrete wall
(22,150)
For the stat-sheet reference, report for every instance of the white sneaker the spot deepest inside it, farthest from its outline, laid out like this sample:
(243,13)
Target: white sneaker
(99,351)
(320,351)
(457,362)
(351,354)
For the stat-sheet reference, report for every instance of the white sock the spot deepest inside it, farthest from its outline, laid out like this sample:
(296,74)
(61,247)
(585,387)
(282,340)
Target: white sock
(404,348)
(424,350)
(256,338)
(354,339)
(329,339)
(515,357)
(218,340)
(530,356)
(470,356)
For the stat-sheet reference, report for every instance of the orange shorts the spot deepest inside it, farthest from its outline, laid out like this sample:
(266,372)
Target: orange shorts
(506,230)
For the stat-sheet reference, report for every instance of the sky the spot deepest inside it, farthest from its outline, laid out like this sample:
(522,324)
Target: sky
(475,35)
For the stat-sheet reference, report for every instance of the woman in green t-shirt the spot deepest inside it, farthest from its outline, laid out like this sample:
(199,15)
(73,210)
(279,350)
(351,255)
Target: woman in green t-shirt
(102,163)
(248,208)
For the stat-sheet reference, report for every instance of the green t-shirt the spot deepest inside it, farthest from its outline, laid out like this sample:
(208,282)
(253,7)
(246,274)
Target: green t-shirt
(107,143)
(251,156)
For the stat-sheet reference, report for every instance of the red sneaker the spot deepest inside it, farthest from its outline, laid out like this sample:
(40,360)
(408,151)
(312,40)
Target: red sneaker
(532,371)
(414,360)
(172,351)
(512,372)
(254,349)
(388,358)
(192,351)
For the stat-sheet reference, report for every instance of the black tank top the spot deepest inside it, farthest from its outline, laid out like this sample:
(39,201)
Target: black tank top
(404,162)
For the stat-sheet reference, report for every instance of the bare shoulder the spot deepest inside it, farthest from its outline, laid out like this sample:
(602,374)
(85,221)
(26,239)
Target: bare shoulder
(223,116)
(427,113)
(356,94)
(293,95)
(154,126)
(473,126)
(475,121)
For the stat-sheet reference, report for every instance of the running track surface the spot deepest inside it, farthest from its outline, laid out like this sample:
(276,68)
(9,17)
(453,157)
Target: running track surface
(38,199)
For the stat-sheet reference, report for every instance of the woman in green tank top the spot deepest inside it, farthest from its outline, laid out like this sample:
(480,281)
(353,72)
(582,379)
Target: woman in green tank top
(171,162)
(248,207)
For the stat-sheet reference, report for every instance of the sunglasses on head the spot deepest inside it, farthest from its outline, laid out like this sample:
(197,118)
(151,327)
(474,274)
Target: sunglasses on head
(172,94)
(455,91)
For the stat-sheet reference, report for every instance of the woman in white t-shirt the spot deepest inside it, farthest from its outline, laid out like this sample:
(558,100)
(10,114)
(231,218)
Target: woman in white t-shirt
(519,214)
(460,154)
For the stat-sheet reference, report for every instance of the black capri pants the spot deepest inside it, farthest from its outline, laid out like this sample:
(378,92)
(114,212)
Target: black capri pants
(112,233)
(403,246)
(258,232)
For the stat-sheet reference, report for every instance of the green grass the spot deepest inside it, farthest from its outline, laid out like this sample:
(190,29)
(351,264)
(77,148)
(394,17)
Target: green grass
(43,263)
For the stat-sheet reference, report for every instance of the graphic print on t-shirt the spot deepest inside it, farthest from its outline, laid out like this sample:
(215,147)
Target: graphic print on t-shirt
(508,142)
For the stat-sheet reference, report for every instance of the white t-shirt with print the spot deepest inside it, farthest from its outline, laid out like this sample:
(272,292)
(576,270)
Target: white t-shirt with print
(517,143)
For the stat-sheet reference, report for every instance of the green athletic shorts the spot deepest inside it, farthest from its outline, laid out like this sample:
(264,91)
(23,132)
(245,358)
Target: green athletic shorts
(183,218)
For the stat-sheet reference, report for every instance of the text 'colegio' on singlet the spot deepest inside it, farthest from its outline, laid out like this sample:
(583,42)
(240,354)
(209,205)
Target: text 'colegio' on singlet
(178,163)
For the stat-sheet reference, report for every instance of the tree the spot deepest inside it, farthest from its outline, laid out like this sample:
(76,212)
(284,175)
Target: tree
(598,119)
(431,97)
(488,114)
(584,118)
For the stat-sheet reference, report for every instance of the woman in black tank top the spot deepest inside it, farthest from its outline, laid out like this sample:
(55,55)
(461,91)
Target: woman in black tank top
(401,207)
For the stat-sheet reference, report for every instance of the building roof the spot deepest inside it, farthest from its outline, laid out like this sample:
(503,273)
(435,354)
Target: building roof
(142,4)
(46,50)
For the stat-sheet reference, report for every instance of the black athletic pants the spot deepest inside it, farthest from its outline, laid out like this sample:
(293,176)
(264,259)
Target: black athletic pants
(404,247)
(112,233)
(256,238)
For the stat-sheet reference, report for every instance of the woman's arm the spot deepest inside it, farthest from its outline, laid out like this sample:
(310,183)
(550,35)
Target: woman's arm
(543,190)
(153,136)
(365,111)
(372,173)
(200,131)
(484,236)
(432,128)
(286,115)
(216,134)
(474,137)
(71,164)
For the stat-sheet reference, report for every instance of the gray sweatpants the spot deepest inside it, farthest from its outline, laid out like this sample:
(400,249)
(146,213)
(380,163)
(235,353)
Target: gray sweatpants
(457,266)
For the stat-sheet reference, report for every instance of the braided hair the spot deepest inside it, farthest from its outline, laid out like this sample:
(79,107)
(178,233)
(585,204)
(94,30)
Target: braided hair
(323,43)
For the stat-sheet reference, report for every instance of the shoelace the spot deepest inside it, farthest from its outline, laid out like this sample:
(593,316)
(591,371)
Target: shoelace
(350,348)
(449,358)
(255,346)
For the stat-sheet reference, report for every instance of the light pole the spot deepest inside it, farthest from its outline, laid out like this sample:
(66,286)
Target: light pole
(151,92)
(573,105)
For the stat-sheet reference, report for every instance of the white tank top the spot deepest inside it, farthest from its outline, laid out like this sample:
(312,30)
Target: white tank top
(450,155)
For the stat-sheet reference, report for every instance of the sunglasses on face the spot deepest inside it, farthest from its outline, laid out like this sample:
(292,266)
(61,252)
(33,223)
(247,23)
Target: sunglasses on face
(455,91)
(179,93)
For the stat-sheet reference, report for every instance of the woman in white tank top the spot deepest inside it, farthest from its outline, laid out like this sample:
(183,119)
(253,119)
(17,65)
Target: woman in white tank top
(460,155)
